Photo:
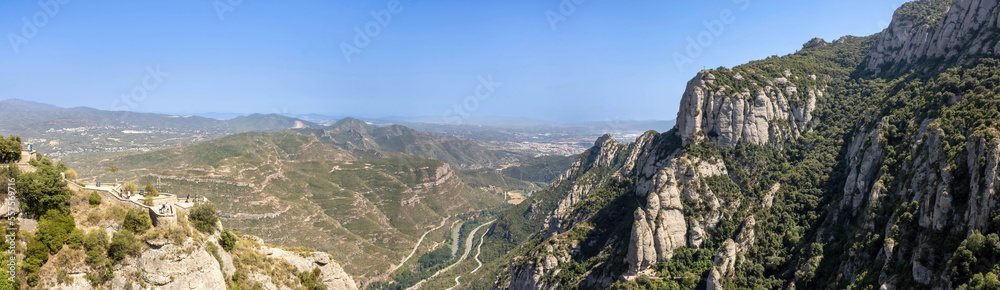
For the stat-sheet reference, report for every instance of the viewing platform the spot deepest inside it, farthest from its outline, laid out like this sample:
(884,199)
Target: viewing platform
(164,206)
(23,165)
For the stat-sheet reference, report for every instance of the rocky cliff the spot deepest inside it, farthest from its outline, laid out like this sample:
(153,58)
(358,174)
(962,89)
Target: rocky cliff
(759,112)
(941,30)
(819,169)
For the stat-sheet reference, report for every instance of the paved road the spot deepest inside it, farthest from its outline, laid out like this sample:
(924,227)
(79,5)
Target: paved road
(418,245)
(468,248)
(479,249)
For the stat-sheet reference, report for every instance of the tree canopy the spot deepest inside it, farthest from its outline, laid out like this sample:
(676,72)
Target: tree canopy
(43,190)
(10,148)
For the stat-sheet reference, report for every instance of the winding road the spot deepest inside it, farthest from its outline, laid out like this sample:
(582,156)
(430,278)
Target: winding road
(468,249)
(415,248)
(479,250)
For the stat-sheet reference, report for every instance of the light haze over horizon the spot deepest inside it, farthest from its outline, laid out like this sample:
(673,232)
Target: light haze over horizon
(599,60)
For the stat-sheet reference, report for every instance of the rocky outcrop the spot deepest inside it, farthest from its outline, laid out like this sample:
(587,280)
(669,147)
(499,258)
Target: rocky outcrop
(759,113)
(660,227)
(967,29)
(815,42)
(642,251)
(165,265)
(588,173)
(546,261)
(169,266)
(983,157)
(332,275)
(728,254)
(867,151)
(605,153)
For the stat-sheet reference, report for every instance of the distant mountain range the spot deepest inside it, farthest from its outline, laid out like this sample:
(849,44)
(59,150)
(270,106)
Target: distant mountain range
(32,117)
(475,121)
(356,135)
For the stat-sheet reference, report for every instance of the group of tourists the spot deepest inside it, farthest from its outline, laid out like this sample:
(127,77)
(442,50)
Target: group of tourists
(164,209)
(195,200)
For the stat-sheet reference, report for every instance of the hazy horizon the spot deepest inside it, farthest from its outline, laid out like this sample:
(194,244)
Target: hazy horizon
(552,60)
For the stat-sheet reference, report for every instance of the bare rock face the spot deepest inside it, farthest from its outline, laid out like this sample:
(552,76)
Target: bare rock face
(815,42)
(713,281)
(983,154)
(641,253)
(185,266)
(868,150)
(728,254)
(662,221)
(725,259)
(727,115)
(968,28)
(332,275)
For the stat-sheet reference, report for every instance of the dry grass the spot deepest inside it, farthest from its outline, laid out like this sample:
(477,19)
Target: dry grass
(89,217)
(247,260)
(175,233)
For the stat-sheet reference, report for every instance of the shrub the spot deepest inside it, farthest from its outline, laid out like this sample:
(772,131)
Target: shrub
(70,174)
(75,239)
(10,148)
(227,241)
(54,229)
(95,198)
(137,221)
(94,281)
(96,240)
(311,280)
(151,190)
(36,254)
(203,217)
(130,187)
(95,259)
(122,245)
(62,276)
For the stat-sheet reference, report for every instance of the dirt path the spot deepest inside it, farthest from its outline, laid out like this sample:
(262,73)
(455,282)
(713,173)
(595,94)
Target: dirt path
(468,249)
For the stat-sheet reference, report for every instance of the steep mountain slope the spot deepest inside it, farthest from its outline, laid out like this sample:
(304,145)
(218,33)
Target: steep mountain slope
(811,170)
(356,135)
(296,190)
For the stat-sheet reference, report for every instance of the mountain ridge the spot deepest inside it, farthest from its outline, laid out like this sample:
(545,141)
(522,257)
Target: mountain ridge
(813,170)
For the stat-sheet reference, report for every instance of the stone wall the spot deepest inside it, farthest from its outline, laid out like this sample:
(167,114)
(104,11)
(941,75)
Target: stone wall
(159,220)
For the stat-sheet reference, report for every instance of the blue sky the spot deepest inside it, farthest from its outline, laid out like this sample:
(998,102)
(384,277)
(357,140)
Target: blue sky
(604,59)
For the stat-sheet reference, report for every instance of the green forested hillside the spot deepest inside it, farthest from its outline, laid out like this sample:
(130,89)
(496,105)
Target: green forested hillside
(541,169)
